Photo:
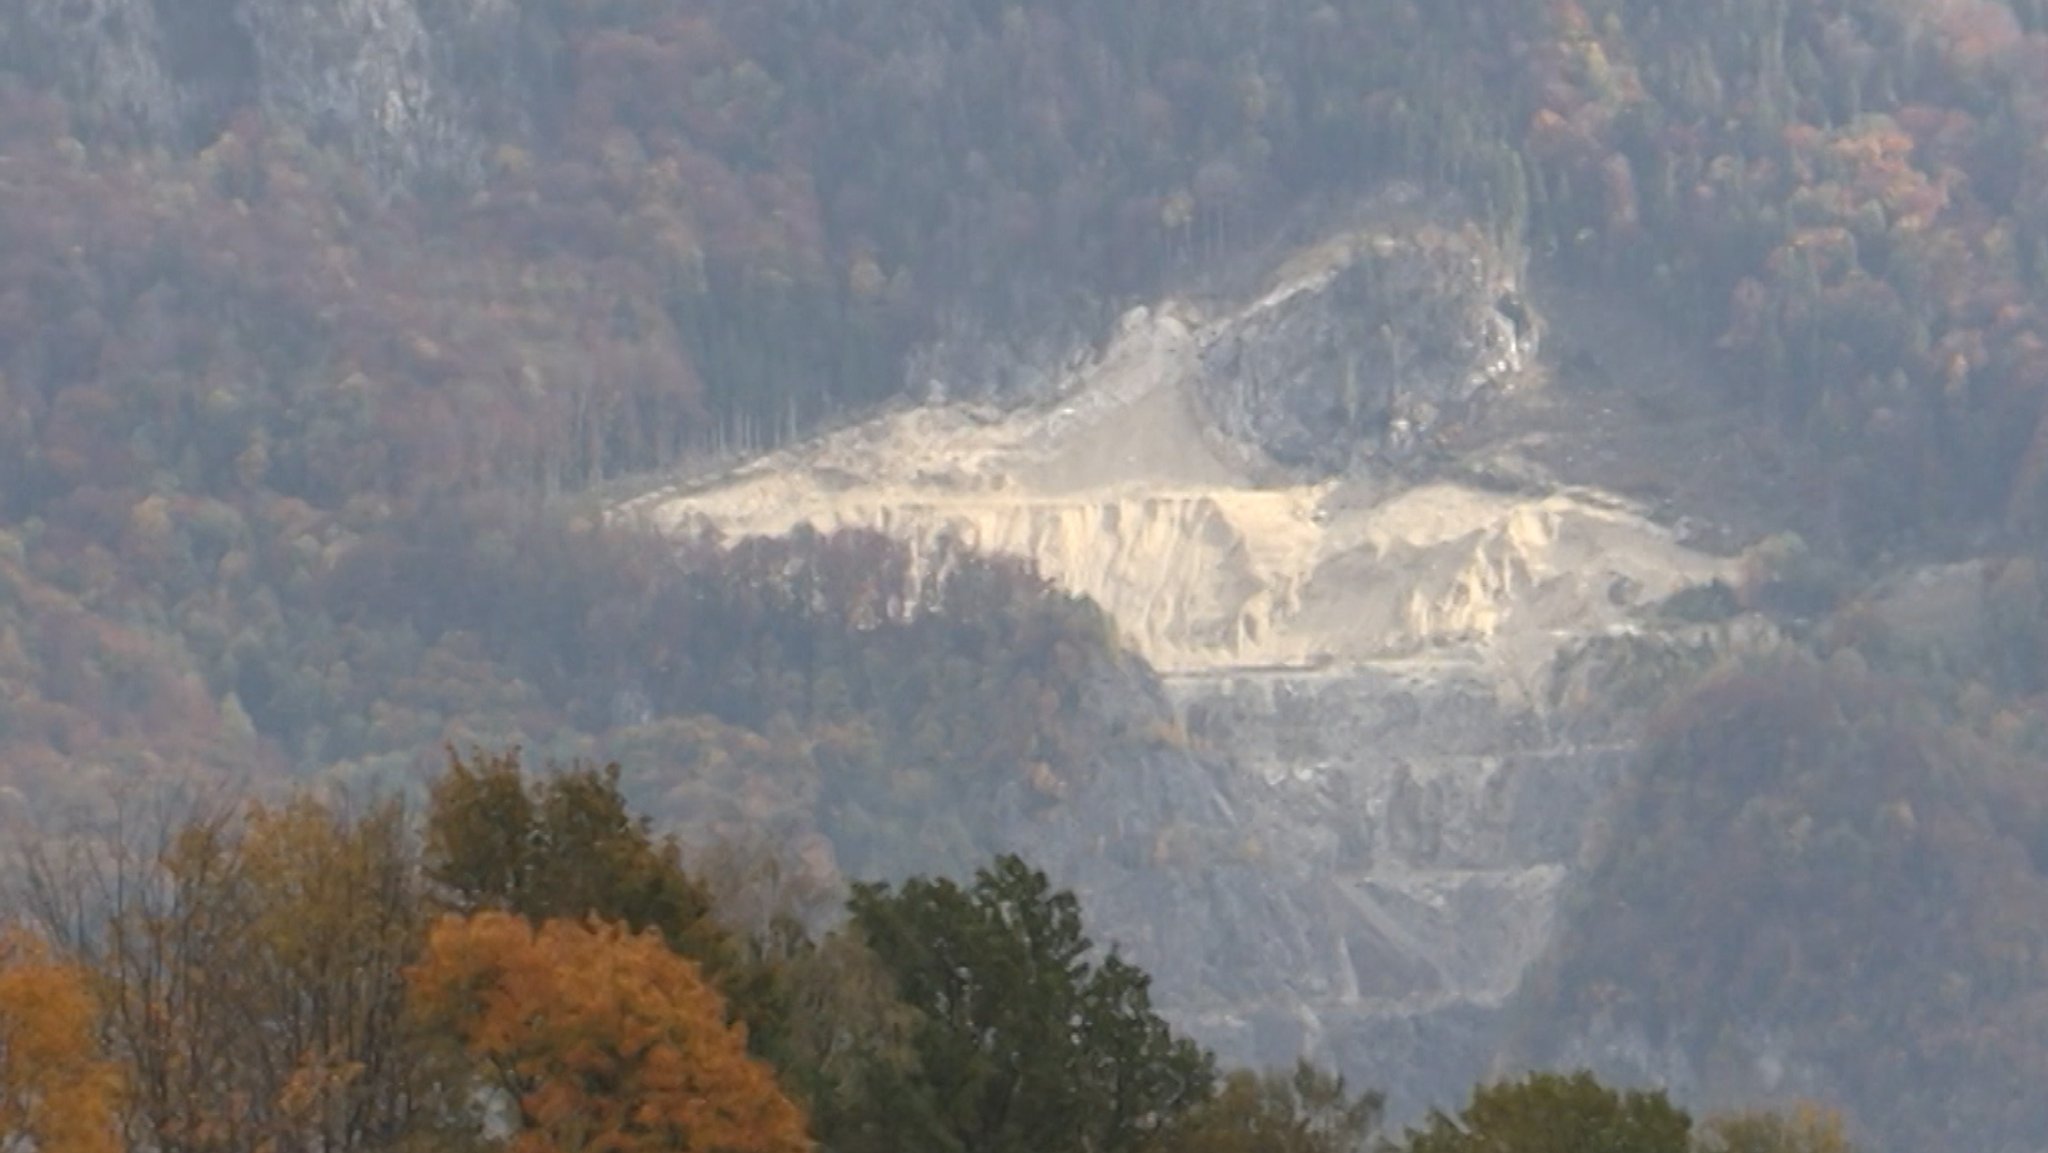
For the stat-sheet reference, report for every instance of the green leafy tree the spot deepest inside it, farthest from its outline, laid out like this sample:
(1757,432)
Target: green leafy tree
(851,1040)
(1556,1113)
(566,846)
(1022,1043)
(1806,1129)
(1305,1110)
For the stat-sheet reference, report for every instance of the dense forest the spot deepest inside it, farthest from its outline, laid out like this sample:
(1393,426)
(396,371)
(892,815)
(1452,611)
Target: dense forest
(248,372)
(241,359)
(1850,833)
(529,967)
(260,392)
(304,434)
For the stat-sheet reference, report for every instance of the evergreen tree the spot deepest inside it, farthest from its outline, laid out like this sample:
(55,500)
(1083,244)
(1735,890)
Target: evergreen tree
(1024,1045)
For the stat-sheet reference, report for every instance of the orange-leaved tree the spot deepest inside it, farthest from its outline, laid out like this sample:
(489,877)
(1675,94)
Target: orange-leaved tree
(249,961)
(58,1094)
(599,1039)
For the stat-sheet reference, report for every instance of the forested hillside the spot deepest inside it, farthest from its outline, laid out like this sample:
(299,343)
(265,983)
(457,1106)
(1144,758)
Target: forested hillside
(255,358)
(240,344)
(322,334)
(1816,886)
(238,341)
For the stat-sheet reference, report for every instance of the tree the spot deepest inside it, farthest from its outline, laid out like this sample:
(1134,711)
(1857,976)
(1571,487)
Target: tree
(1807,1129)
(564,846)
(57,1091)
(1306,1110)
(1022,1043)
(567,846)
(599,1038)
(850,1044)
(334,911)
(250,966)
(1556,1113)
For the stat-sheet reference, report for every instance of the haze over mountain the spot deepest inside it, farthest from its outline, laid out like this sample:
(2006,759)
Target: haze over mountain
(1472,535)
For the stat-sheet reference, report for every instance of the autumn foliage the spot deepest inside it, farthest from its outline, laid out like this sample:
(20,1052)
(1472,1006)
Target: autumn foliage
(58,1092)
(246,965)
(276,441)
(602,1039)
(268,979)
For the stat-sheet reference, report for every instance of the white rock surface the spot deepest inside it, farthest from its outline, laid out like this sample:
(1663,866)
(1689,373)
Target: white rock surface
(1118,489)
(1371,654)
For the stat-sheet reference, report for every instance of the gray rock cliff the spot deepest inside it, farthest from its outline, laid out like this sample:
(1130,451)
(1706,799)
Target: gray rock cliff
(1410,323)
(414,89)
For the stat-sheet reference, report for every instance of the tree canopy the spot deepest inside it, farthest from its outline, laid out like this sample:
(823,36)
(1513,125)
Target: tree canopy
(601,1039)
(561,844)
(1304,1110)
(58,1092)
(1556,1113)
(288,976)
(1025,1045)
(1806,1129)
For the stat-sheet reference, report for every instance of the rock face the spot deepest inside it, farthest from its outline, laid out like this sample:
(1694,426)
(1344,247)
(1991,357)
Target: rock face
(412,89)
(1387,776)
(1403,327)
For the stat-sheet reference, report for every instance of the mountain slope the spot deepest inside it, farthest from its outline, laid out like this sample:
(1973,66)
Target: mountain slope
(321,325)
(1363,622)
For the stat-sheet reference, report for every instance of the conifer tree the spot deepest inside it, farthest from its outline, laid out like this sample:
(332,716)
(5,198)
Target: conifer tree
(1024,1045)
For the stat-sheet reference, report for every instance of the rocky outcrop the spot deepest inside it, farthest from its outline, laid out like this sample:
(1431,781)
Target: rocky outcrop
(413,91)
(1386,677)
(411,87)
(1386,335)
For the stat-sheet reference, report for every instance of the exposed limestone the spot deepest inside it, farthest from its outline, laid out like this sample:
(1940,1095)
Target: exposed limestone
(1365,849)
(1122,490)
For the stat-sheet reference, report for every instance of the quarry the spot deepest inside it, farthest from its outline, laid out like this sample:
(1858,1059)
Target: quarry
(1356,524)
